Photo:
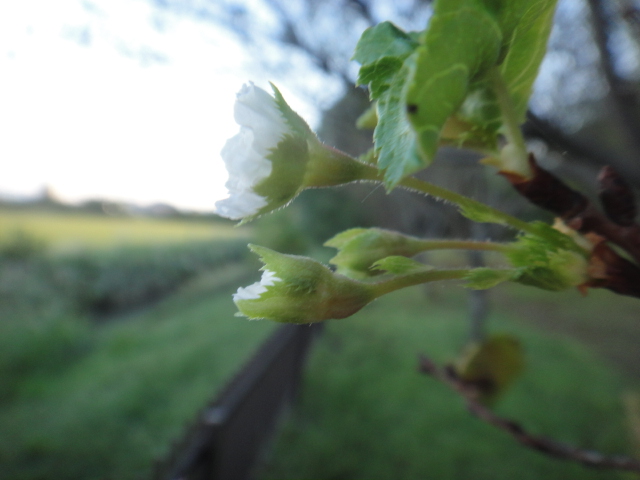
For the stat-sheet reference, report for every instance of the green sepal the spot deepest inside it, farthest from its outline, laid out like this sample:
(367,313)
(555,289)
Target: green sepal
(550,261)
(343,238)
(295,121)
(555,239)
(398,265)
(484,278)
(289,161)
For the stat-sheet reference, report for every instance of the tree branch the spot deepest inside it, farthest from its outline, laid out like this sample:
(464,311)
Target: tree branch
(557,139)
(624,97)
(548,446)
(608,269)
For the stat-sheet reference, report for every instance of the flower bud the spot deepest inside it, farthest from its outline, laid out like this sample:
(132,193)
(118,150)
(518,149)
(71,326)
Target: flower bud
(296,289)
(276,156)
(360,248)
(540,264)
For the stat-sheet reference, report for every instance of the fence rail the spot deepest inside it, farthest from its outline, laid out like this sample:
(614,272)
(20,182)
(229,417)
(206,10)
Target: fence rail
(229,435)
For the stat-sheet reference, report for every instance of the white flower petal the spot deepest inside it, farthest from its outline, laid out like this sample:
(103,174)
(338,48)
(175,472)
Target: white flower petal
(237,207)
(262,127)
(253,291)
(269,278)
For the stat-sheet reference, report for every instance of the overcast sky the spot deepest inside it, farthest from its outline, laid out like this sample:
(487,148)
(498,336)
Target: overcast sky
(117,99)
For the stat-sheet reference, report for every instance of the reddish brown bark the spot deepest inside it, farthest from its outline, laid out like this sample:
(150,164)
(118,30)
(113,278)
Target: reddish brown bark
(616,225)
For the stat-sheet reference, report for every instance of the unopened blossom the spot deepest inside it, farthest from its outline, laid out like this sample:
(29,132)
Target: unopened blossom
(296,289)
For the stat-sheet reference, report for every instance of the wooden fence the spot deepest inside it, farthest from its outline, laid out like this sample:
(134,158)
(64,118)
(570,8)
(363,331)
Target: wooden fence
(229,435)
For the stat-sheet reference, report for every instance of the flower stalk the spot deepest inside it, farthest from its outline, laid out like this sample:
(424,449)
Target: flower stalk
(474,209)
(360,249)
(418,278)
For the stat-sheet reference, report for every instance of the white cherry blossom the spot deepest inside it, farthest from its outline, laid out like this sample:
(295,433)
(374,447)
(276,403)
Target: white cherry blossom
(262,127)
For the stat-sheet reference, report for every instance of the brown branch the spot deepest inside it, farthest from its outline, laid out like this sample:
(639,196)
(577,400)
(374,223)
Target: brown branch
(610,270)
(541,444)
(589,154)
(624,100)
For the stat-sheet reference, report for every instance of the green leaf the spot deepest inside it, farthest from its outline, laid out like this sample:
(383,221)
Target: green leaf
(394,137)
(462,42)
(399,265)
(378,75)
(484,278)
(433,87)
(383,40)
(527,47)
(381,51)
(491,366)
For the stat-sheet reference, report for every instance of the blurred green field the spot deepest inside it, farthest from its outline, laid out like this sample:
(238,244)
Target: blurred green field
(87,396)
(68,231)
(365,411)
(113,333)
(114,401)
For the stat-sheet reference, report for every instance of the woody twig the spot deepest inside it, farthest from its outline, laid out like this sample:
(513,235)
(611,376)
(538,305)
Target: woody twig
(547,446)
(615,225)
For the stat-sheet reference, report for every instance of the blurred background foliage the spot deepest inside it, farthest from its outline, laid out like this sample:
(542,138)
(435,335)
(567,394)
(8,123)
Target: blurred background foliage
(116,324)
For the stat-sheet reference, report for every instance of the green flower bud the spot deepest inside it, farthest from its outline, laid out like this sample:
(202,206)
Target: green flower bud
(360,248)
(296,289)
(540,264)
(561,270)
(276,156)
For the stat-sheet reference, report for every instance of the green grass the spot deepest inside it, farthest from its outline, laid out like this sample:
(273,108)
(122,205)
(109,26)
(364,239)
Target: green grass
(141,380)
(64,231)
(365,412)
(606,322)
(111,398)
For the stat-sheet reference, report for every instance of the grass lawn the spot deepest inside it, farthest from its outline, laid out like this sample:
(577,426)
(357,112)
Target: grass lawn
(607,323)
(365,412)
(142,380)
(63,232)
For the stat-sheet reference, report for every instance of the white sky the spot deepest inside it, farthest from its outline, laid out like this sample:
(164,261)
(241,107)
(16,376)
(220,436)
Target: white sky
(116,99)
